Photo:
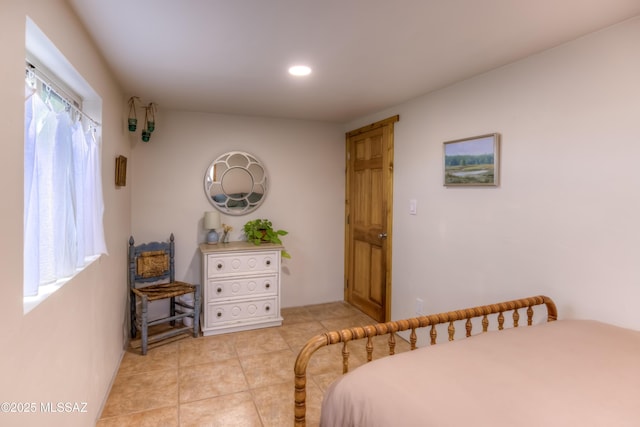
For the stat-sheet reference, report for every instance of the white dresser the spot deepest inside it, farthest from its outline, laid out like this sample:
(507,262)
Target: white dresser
(241,284)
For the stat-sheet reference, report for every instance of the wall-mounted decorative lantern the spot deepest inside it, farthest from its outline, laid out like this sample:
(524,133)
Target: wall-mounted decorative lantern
(133,119)
(149,121)
(149,118)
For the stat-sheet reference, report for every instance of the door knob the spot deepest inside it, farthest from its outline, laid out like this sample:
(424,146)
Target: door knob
(382,236)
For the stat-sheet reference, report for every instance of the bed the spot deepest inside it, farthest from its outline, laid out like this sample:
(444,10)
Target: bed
(551,372)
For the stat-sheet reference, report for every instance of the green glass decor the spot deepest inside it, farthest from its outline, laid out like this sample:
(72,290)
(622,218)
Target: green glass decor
(133,120)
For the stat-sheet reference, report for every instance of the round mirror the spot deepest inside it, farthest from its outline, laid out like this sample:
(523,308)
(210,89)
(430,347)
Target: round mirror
(235,183)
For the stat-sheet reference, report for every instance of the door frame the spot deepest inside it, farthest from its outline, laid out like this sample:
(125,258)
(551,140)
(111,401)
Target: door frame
(389,208)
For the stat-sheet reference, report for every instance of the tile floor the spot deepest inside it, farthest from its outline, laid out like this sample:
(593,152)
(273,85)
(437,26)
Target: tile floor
(237,379)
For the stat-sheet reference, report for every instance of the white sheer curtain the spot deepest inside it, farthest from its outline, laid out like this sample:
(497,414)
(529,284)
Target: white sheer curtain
(63,205)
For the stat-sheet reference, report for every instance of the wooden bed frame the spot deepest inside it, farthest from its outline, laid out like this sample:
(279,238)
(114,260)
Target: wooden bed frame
(390,328)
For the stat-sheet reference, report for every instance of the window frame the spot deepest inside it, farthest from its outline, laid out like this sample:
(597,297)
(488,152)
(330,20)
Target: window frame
(56,71)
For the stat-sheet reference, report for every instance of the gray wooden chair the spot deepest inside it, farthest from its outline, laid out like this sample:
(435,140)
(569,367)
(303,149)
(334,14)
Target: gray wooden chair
(152,278)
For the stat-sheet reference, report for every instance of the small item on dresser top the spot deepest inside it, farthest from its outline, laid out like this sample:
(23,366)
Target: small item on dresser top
(259,231)
(226,229)
(211,222)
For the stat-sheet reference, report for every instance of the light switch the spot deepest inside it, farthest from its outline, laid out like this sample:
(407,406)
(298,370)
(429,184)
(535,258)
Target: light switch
(413,207)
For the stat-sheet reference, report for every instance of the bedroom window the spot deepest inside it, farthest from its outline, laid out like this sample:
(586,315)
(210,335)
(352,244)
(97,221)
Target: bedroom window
(63,205)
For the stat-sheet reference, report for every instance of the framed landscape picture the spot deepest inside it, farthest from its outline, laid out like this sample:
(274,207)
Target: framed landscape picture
(472,161)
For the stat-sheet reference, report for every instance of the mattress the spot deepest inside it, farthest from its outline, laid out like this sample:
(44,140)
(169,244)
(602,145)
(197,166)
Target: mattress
(562,373)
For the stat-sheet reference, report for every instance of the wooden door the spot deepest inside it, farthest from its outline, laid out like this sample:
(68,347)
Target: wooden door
(369,195)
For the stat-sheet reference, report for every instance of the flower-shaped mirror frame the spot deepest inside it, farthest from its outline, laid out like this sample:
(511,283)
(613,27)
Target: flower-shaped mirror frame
(236,183)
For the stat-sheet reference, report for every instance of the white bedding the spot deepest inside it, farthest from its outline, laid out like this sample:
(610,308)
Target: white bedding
(562,373)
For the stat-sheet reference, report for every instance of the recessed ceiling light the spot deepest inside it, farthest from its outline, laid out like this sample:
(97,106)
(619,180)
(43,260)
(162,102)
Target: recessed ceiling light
(299,70)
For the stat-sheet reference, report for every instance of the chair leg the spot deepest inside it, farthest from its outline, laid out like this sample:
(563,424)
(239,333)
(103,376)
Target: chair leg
(172,310)
(196,312)
(145,334)
(132,308)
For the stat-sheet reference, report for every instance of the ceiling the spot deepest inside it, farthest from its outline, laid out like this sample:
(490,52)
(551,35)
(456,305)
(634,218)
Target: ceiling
(232,56)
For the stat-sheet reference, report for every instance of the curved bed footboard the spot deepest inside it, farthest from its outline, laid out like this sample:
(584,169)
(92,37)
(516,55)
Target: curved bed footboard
(390,328)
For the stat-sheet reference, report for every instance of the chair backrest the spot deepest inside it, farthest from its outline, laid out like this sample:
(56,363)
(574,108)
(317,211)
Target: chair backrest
(151,262)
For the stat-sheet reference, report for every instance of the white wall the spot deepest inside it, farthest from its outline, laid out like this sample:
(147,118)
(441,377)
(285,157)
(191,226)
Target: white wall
(564,220)
(305,164)
(68,348)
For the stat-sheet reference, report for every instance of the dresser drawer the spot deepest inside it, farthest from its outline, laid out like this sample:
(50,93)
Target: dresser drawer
(254,262)
(241,287)
(241,311)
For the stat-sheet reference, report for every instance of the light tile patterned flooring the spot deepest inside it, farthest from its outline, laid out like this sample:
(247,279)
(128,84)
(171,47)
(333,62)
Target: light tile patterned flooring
(237,379)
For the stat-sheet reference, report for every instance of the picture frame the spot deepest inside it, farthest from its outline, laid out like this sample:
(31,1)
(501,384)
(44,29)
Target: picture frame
(472,161)
(121,171)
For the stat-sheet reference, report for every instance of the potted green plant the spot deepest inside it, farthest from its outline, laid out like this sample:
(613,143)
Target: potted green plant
(261,230)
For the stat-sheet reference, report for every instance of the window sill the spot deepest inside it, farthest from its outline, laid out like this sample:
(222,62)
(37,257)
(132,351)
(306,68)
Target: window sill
(29,303)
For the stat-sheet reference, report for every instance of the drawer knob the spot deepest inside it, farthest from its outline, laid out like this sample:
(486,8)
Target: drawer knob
(268,262)
(267,308)
(268,285)
(219,290)
(219,266)
(219,314)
